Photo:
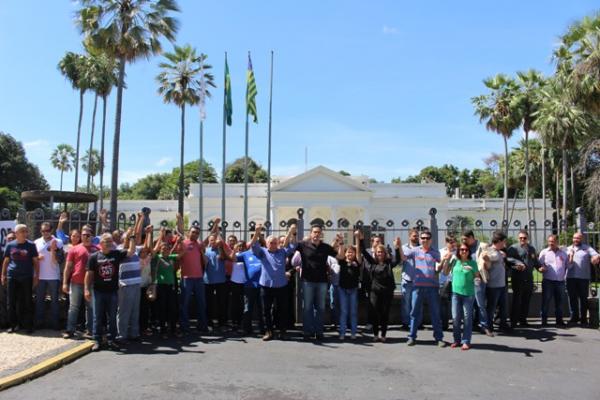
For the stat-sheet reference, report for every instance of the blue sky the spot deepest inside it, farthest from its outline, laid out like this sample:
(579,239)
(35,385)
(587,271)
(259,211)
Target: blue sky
(380,88)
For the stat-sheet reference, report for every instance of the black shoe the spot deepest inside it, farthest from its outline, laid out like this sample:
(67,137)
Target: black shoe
(544,324)
(572,322)
(282,336)
(12,329)
(29,331)
(306,337)
(524,324)
(560,324)
(319,337)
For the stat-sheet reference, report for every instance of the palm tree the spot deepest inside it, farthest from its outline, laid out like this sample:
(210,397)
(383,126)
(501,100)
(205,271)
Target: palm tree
(90,163)
(501,112)
(179,84)
(62,159)
(126,30)
(529,82)
(561,123)
(73,67)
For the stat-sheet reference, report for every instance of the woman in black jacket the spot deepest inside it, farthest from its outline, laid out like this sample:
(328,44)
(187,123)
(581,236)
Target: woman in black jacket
(379,269)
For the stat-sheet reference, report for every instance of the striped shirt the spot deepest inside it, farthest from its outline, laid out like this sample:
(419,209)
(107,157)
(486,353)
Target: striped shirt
(130,272)
(424,266)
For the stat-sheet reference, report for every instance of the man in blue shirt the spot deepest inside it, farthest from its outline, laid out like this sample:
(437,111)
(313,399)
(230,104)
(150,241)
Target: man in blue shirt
(20,273)
(273,279)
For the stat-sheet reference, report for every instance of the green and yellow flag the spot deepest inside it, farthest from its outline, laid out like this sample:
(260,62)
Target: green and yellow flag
(228,105)
(251,92)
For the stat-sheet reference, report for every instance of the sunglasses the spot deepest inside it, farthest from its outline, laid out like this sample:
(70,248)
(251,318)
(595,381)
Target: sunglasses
(46,230)
(86,234)
(425,237)
(464,250)
(523,238)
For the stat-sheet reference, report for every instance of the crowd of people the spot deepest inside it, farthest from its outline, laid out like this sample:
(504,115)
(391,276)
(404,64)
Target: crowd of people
(121,286)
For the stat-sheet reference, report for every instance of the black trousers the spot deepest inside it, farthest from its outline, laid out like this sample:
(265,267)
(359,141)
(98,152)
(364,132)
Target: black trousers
(236,303)
(379,306)
(166,304)
(216,303)
(20,302)
(274,304)
(519,309)
(578,290)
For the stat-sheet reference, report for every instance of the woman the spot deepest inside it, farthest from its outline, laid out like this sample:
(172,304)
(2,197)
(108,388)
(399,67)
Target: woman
(379,271)
(166,296)
(348,290)
(464,271)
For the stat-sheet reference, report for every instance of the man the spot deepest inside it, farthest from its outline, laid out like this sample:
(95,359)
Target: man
(273,280)
(192,262)
(73,283)
(553,264)
(217,254)
(581,256)
(445,282)
(10,236)
(521,259)
(102,276)
(408,277)
(51,255)
(475,249)
(314,253)
(426,286)
(496,285)
(20,272)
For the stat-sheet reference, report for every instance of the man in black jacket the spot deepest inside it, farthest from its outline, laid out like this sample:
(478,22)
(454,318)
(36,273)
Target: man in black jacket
(521,259)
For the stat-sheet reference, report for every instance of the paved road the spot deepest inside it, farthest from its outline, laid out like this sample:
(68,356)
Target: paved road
(548,364)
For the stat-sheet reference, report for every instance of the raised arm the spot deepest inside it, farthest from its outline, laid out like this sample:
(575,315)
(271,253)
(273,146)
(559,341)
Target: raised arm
(290,234)
(358,237)
(103,216)
(213,231)
(159,241)
(179,223)
(138,228)
(130,235)
(149,231)
(398,253)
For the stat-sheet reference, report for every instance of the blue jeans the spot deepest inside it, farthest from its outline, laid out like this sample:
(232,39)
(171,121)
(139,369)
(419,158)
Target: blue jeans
(578,290)
(334,304)
(432,296)
(462,311)
(406,302)
(481,302)
(496,297)
(195,286)
(550,290)
(314,306)
(105,304)
(40,295)
(348,307)
(128,315)
(252,301)
(76,301)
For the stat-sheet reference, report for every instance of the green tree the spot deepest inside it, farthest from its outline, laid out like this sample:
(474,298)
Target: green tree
(501,113)
(62,158)
(18,174)
(126,30)
(90,163)
(234,172)
(179,84)
(344,173)
(74,67)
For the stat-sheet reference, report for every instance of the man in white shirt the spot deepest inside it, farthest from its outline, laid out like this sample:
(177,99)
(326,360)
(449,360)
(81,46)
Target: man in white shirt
(51,255)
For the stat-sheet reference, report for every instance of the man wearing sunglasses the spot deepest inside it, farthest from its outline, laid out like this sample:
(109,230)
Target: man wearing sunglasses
(73,282)
(51,255)
(521,260)
(426,288)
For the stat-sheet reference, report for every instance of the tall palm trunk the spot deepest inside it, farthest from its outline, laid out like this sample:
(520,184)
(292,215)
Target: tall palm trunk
(505,200)
(527,176)
(114,182)
(180,197)
(544,208)
(61,178)
(564,187)
(78,138)
(102,153)
(573,199)
(557,197)
(91,142)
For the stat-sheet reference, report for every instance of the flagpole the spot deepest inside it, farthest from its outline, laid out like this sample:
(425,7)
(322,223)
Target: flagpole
(201,179)
(268,216)
(224,144)
(246,183)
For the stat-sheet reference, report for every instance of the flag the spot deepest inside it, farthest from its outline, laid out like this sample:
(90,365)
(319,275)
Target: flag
(251,92)
(228,105)
(202,100)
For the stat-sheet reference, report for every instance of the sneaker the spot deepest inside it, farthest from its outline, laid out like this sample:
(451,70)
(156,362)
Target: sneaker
(282,335)
(465,347)
(441,344)
(488,332)
(96,346)
(268,336)
(352,337)
(68,335)
(87,335)
(12,329)
(342,337)
(411,342)
(454,345)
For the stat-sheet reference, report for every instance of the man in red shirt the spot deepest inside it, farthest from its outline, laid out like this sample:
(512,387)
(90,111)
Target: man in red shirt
(73,282)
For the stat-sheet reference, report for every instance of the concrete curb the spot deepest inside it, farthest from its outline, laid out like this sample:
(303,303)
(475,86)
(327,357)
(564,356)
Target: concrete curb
(46,366)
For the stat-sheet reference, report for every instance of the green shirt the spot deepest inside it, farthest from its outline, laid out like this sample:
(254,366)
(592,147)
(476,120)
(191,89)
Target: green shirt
(165,269)
(463,277)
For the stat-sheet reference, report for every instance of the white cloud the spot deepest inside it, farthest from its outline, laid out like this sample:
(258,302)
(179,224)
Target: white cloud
(163,161)
(35,144)
(131,176)
(390,30)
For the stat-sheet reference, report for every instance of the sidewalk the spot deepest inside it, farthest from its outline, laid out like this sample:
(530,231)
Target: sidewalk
(24,357)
